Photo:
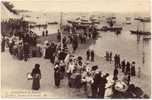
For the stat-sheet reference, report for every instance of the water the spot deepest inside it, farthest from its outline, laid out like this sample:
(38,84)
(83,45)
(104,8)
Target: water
(127,46)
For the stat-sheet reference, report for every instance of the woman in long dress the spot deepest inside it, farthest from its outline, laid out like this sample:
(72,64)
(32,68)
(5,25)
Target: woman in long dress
(57,75)
(36,74)
(89,81)
(133,72)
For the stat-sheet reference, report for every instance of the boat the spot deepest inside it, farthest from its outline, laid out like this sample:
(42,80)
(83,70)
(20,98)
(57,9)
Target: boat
(52,23)
(128,20)
(147,38)
(112,29)
(140,32)
(145,19)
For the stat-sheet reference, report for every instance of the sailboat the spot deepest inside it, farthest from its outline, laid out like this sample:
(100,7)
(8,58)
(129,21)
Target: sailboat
(143,20)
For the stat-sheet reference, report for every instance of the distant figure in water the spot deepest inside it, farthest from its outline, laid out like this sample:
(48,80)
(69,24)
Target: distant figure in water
(36,74)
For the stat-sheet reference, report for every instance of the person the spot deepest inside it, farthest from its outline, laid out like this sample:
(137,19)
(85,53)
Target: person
(26,51)
(59,36)
(20,51)
(88,54)
(11,45)
(139,72)
(78,82)
(106,55)
(46,32)
(115,60)
(129,78)
(123,65)
(3,44)
(110,57)
(36,74)
(133,72)
(62,69)
(118,61)
(47,51)
(74,43)
(89,81)
(70,70)
(73,83)
(115,74)
(57,75)
(127,71)
(43,33)
(95,85)
(102,86)
(92,55)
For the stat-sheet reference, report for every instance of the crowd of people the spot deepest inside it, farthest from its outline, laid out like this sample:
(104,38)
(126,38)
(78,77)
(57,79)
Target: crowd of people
(79,72)
(22,46)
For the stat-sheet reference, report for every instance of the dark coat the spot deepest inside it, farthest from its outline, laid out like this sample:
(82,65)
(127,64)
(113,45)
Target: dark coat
(36,74)
(127,68)
(133,72)
(123,66)
(115,74)
(57,77)
(102,85)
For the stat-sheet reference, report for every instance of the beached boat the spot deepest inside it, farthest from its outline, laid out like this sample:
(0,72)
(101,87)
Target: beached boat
(140,32)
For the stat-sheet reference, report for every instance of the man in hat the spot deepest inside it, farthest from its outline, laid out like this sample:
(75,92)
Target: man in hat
(133,72)
(88,54)
(57,75)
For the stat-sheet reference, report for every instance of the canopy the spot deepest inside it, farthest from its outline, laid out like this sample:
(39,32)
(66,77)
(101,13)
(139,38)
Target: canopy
(6,14)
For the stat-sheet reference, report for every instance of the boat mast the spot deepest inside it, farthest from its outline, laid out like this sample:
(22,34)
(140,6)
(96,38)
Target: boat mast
(61,30)
(143,60)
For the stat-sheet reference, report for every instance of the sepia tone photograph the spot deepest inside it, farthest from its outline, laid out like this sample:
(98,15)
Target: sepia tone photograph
(76,49)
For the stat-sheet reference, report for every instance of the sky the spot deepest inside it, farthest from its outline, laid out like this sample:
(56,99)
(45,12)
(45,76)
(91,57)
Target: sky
(83,5)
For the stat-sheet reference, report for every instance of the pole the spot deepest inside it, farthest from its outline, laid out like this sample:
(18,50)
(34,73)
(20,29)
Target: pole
(143,44)
(61,31)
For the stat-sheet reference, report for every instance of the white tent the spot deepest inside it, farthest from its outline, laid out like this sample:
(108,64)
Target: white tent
(6,14)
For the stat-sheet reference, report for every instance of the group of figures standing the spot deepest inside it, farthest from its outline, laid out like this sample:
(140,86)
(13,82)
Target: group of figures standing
(127,68)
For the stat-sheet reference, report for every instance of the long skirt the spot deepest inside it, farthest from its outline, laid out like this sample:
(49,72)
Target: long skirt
(57,79)
(88,90)
(36,84)
(133,72)
(101,92)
